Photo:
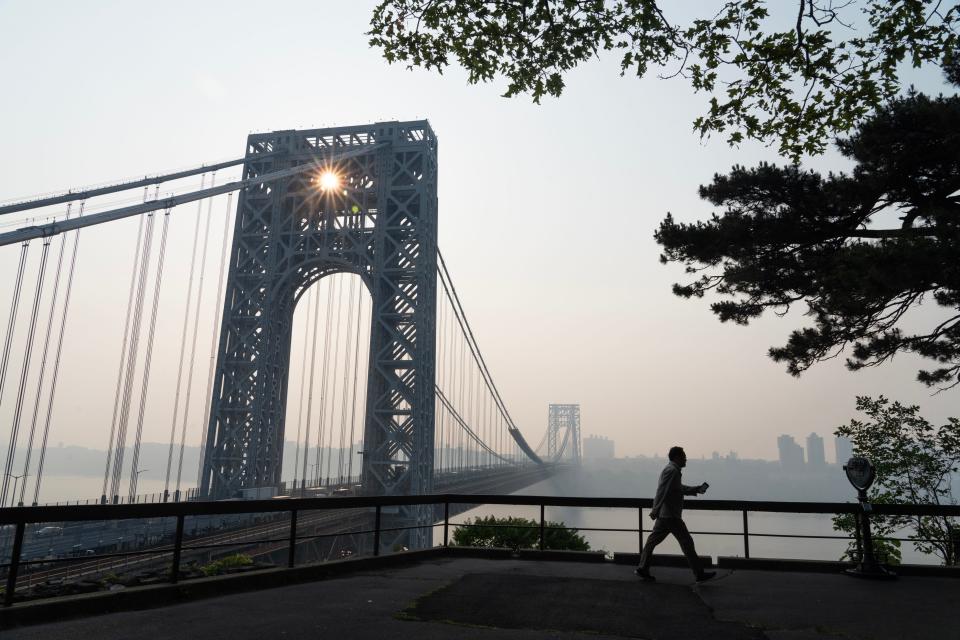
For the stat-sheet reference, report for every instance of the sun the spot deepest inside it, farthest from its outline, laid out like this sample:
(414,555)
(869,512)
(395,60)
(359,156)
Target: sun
(328,180)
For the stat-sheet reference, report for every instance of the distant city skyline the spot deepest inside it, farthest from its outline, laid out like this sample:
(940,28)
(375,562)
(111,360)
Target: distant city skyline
(793,456)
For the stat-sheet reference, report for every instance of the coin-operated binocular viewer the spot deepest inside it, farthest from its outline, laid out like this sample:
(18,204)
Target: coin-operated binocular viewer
(861,475)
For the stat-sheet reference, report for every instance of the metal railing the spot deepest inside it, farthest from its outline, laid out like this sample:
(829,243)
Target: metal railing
(20,517)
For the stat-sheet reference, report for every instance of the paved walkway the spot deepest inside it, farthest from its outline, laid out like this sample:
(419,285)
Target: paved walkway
(479,598)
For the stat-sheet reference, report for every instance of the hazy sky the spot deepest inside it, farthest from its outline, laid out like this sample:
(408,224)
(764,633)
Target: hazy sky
(546,213)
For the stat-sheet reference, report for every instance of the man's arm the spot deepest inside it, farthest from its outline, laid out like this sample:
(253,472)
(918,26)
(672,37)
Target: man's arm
(692,491)
(667,477)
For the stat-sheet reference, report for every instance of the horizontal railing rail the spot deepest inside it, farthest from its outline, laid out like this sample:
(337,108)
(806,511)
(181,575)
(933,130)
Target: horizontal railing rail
(20,517)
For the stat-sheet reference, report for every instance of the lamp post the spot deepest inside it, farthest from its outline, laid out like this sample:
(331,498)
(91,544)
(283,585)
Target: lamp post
(136,483)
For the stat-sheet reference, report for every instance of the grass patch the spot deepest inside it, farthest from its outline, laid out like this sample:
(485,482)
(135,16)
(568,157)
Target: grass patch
(235,561)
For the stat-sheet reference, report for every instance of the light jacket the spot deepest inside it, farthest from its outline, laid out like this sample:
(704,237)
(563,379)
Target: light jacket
(668,503)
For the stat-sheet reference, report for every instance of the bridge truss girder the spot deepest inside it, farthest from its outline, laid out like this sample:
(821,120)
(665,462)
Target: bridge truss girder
(381,224)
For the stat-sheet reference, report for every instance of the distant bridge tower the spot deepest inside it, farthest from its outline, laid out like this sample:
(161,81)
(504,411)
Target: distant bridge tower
(564,419)
(379,222)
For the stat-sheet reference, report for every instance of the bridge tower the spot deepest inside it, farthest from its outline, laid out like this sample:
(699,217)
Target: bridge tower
(379,222)
(565,419)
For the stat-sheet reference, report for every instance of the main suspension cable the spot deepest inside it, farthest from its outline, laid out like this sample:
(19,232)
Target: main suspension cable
(447,283)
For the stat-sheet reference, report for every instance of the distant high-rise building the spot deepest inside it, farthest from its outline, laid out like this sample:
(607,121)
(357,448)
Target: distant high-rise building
(597,448)
(843,449)
(815,455)
(791,454)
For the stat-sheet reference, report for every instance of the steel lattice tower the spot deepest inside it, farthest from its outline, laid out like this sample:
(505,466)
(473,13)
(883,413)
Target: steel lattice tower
(565,418)
(379,223)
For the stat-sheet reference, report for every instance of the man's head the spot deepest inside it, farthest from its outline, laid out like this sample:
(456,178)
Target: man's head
(677,456)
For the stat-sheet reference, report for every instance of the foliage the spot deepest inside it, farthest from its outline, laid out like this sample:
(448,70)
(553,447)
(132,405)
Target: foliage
(229,562)
(799,72)
(914,461)
(788,235)
(885,549)
(517,533)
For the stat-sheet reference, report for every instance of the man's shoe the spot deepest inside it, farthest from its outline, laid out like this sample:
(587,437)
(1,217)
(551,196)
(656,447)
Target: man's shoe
(706,575)
(644,574)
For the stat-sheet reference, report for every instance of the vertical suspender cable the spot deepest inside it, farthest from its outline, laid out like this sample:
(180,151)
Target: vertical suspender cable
(123,353)
(318,458)
(333,378)
(303,385)
(313,367)
(134,347)
(356,370)
(347,353)
(148,358)
(217,310)
(193,343)
(27,354)
(183,344)
(43,363)
(451,380)
(438,407)
(56,361)
(463,397)
(4,363)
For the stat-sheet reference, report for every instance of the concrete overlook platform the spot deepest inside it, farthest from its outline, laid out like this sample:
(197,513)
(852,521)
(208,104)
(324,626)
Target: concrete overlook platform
(443,597)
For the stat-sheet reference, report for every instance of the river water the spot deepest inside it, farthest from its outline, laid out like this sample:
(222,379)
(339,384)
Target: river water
(725,537)
(716,533)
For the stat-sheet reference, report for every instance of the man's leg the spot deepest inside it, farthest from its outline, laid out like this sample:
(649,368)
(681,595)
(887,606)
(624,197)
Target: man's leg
(658,535)
(682,534)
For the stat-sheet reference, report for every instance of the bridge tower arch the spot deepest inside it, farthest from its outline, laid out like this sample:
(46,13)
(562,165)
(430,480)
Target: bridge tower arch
(563,433)
(378,221)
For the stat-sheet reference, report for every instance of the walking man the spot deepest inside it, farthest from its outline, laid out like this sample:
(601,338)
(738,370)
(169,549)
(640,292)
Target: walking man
(667,513)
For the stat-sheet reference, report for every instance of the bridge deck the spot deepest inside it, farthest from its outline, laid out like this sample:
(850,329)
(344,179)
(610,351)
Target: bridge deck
(485,598)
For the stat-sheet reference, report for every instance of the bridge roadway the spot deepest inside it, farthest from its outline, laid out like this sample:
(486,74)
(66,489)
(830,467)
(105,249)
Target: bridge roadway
(213,536)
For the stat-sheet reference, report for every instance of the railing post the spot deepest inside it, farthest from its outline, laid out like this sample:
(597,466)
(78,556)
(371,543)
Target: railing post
(376,532)
(446,523)
(869,558)
(640,529)
(177,545)
(293,538)
(857,534)
(746,536)
(14,564)
(541,526)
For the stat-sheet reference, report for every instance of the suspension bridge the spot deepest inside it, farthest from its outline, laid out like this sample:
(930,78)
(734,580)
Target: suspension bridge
(307,305)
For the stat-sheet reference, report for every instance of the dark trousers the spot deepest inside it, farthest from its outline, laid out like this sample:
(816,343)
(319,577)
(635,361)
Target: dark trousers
(661,529)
